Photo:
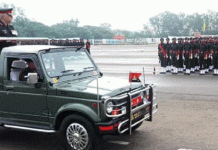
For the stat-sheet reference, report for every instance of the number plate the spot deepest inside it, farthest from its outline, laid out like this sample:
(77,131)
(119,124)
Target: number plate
(136,115)
(136,101)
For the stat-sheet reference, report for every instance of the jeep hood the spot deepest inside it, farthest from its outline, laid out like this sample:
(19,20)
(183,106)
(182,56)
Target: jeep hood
(110,86)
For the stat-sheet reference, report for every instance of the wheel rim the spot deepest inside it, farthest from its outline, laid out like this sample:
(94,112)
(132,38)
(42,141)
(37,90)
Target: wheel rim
(77,136)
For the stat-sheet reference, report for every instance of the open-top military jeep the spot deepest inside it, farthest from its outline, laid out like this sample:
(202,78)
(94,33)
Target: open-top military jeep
(56,88)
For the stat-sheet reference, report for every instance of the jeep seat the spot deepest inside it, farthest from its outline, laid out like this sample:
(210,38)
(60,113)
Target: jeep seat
(16,67)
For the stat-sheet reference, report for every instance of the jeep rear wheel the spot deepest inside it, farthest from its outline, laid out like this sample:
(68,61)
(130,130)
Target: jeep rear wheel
(77,133)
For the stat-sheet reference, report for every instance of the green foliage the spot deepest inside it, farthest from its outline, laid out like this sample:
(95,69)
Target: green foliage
(66,29)
(161,25)
(168,23)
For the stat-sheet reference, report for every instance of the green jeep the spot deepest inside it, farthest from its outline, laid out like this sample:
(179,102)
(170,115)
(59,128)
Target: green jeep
(60,89)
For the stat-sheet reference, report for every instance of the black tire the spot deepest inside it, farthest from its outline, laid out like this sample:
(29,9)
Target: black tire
(136,127)
(79,131)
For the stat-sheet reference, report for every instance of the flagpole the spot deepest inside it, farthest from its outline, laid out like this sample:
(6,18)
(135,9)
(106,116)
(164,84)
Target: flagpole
(144,75)
(130,81)
(98,96)
(204,27)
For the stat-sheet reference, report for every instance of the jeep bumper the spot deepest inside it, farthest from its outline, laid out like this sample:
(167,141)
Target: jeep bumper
(123,124)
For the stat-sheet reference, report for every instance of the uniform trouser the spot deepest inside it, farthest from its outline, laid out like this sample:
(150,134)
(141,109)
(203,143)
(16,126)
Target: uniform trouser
(168,61)
(187,61)
(201,61)
(174,60)
(215,61)
(207,63)
(180,62)
(162,60)
(193,63)
(196,61)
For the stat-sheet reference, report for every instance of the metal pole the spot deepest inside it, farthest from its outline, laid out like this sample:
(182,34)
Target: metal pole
(144,75)
(151,100)
(98,97)
(130,114)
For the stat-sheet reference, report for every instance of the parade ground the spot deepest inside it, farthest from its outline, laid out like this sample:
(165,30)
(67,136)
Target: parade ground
(186,118)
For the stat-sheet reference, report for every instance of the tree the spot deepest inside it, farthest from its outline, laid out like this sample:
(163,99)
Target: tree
(156,23)
(211,20)
(106,26)
(167,23)
(72,22)
(99,32)
(148,31)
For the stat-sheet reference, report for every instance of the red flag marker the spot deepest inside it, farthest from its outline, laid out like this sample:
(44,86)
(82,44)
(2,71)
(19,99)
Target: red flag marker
(134,77)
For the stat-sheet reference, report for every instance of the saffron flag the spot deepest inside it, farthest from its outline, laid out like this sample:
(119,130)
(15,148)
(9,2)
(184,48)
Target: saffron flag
(134,77)
(204,26)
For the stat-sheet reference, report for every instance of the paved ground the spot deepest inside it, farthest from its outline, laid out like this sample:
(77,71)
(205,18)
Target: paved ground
(187,116)
(125,58)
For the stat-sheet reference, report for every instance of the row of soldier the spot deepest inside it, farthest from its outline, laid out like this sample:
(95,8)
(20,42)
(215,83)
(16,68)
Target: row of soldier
(73,42)
(189,55)
(66,42)
(33,42)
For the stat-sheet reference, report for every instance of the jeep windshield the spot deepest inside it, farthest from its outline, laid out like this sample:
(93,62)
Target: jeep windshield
(61,62)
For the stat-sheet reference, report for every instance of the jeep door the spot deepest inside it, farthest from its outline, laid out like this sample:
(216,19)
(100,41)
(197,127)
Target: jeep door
(24,103)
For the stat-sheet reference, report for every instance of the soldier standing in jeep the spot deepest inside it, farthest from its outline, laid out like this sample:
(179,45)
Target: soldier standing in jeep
(6,29)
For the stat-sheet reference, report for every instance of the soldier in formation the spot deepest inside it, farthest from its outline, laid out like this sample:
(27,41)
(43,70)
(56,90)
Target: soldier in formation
(215,56)
(180,51)
(88,46)
(174,56)
(168,59)
(162,56)
(189,55)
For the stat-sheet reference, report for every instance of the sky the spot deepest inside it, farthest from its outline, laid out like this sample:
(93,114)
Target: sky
(121,14)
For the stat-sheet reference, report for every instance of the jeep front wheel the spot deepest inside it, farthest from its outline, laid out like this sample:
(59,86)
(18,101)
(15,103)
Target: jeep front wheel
(77,133)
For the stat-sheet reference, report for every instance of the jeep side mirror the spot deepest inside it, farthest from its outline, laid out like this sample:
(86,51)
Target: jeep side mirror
(32,78)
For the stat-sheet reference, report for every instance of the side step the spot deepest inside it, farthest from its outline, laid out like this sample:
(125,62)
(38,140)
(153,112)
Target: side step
(29,129)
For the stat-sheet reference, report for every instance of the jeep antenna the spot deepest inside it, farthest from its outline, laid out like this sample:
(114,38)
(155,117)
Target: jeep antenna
(98,96)
(144,76)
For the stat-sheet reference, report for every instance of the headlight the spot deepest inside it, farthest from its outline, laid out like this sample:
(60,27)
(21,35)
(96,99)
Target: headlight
(109,107)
